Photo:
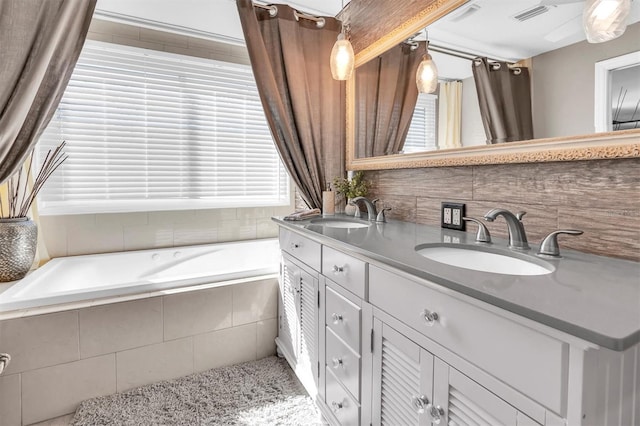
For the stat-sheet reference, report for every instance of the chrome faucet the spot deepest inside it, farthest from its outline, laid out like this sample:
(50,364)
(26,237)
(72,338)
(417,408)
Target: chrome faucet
(517,235)
(371,207)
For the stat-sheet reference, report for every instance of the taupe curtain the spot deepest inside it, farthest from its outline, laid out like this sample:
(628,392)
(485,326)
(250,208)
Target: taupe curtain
(505,100)
(304,106)
(386,95)
(41,41)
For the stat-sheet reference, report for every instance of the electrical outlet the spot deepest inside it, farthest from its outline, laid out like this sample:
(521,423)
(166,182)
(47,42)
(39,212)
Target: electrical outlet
(456,219)
(452,214)
(446,216)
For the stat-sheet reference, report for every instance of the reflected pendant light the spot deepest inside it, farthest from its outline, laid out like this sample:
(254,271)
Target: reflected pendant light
(342,57)
(604,20)
(427,74)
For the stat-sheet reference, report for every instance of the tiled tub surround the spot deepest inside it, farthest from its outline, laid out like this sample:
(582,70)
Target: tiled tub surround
(62,358)
(600,197)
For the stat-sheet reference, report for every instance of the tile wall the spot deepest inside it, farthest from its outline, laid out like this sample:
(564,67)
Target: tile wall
(600,197)
(62,358)
(99,233)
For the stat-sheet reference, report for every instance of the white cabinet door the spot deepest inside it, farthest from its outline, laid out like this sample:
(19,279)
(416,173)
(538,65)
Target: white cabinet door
(460,401)
(289,316)
(298,321)
(402,378)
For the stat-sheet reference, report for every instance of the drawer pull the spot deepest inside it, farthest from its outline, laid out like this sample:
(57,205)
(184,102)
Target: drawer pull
(430,317)
(336,406)
(295,245)
(419,403)
(337,362)
(436,413)
(338,269)
(337,318)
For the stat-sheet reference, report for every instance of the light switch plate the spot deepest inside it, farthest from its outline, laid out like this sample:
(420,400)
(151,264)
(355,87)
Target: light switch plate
(451,215)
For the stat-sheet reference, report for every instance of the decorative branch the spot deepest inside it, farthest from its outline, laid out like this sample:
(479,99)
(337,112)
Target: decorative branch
(19,205)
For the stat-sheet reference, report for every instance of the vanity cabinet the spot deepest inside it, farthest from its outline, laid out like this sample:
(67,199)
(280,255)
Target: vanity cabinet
(374,344)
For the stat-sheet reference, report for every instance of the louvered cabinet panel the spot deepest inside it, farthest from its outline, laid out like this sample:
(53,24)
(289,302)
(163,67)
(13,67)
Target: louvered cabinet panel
(465,402)
(289,317)
(402,378)
(308,355)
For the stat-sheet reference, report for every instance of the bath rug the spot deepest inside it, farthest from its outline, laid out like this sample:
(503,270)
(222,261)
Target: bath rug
(263,392)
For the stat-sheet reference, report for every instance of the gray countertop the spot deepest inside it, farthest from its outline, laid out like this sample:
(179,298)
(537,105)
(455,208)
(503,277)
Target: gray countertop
(595,298)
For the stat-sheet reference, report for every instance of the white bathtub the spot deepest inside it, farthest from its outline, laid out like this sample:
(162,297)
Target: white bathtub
(80,278)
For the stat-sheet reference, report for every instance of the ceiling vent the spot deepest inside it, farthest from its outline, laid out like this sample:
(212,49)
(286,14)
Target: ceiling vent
(527,14)
(466,13)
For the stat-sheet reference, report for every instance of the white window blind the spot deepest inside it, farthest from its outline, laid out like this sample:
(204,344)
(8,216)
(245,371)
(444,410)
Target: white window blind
(149,130)
(422,134)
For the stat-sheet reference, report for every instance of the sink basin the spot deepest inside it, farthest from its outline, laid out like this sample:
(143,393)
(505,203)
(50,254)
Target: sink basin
(345,223)
(486,261)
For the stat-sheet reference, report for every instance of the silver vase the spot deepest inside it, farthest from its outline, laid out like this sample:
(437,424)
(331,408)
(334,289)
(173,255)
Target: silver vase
(18,243)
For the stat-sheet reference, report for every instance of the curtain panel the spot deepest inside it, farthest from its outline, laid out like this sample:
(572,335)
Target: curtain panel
(304,106)
(41,42)
(386,96)
(504,95)
(450,115)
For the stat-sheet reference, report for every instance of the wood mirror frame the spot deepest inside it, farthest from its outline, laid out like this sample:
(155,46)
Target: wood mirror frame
(619,144)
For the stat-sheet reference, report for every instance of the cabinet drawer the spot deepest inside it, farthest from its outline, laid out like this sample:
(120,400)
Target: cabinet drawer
(530,361)
(343,318)
(344,363)
(345,270)
(344,408)
(301,248)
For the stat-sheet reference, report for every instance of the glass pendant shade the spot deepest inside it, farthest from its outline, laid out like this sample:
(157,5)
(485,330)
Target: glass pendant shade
(427,75)
(342,59)
(604,20)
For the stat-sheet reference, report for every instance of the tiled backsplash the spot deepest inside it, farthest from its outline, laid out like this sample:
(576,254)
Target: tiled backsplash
(601,197)
(99,233)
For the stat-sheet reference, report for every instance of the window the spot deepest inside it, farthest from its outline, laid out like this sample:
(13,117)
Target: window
(422,134)
(149,130)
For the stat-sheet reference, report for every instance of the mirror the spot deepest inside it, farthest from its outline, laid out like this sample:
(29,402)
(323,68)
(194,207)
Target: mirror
(546,40)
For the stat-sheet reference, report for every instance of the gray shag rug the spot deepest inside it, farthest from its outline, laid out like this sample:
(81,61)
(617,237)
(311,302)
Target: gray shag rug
(264,392)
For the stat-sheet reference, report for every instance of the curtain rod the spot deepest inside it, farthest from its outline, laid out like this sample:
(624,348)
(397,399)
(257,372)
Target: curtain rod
(273,11)
(461,54)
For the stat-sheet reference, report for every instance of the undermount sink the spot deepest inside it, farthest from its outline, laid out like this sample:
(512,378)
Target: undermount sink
(345,223)
(477,259)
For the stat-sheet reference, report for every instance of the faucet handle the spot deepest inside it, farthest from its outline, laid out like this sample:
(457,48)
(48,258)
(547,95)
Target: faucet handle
(381,217)
(549,245)
(483,235)
(520,215)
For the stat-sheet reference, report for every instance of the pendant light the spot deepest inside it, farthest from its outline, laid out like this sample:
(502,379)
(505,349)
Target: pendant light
(604,20)
(342,57)
(427,74)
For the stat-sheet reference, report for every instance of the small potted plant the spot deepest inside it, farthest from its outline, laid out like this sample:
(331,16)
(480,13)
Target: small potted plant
(18,233)
(351,188)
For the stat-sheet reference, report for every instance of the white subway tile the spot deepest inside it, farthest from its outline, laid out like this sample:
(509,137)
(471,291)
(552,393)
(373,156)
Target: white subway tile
(94,239)
(266,228)
(54,233)
(235,230)
(171,217)
(255,301)
(118,326)
(10,405)
(197,233)
(197,312)
(122,219)
(148,236)
(224,347)
(54,391)
(255,212)
(40,341)
(154,363)
(267,331)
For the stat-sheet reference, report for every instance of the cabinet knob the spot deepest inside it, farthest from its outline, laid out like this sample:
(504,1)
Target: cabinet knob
(336,406)
(337,318)
(419,403)
(436,413)
(295,246)
(338,269)
(430,317)
(337,362)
